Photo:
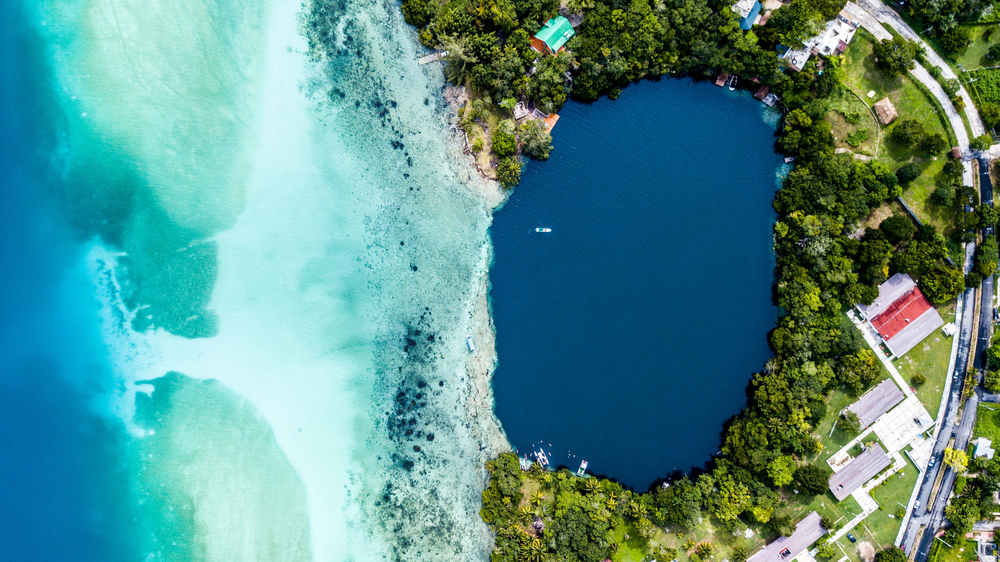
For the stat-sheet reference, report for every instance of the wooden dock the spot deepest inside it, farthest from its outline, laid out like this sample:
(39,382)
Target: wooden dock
(433,57)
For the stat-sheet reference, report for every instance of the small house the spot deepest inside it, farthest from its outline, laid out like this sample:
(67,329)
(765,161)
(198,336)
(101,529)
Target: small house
(553,36)
(886,111)
(722,79)
(984,448)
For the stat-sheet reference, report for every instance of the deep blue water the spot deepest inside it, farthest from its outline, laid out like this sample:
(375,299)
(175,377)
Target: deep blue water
(628,334)
(63,492)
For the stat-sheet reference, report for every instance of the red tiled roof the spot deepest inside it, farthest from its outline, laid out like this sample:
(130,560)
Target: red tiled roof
(897,315)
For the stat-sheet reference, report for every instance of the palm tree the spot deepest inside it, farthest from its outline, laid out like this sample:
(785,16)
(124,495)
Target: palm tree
(457,61)
(592,485)
(537,497)
(535,552)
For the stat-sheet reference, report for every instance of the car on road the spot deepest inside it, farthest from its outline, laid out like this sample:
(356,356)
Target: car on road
(851,538)
(916,506)
(933,459)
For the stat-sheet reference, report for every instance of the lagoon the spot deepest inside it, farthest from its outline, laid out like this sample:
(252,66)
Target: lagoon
(628,334)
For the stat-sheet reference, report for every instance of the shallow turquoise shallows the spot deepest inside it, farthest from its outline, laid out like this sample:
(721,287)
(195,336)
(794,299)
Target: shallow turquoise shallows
(627,335)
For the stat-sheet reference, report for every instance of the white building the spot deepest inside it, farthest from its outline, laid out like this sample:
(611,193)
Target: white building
(833,40)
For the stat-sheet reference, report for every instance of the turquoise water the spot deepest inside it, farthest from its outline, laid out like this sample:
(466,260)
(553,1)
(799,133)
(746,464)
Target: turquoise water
(628,334)
(241,253)
(220,239)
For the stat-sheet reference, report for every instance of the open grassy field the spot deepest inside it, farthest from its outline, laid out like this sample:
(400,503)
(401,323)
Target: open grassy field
(863,77)
(988,422)
(930,358)
(961,552)
(983,37)
(848,115)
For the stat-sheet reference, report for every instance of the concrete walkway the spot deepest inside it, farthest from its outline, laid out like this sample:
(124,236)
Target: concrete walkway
(880,13)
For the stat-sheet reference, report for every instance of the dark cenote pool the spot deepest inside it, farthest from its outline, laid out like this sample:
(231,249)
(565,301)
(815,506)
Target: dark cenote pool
(628,334)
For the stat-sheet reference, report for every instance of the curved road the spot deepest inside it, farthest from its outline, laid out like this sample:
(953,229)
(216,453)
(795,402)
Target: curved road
(883,14)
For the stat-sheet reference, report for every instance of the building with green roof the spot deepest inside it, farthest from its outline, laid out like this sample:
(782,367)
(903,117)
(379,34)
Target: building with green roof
(553,36)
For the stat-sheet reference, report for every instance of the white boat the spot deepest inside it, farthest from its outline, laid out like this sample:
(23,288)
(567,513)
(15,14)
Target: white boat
(541,458)
(543,230)
(468,340)
(582,469)
(732,83)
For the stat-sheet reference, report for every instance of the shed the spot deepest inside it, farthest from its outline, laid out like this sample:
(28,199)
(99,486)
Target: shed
(762,92)
(807,531)
(860,470)
(553,36)
(722,79)
(886,111)
(984,448)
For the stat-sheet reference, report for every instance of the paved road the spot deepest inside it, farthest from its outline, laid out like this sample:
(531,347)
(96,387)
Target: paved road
(921,517)
(934,519)
(884,14)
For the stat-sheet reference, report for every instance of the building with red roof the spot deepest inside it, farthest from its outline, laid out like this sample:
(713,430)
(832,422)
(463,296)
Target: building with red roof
(901,315)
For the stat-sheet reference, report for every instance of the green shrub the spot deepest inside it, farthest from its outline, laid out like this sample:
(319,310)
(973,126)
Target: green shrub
(504,142)
(857,138)
(908,172)
(992,381)
(536,140)
(509,172)
(918,380)
(853,117)
(908,131)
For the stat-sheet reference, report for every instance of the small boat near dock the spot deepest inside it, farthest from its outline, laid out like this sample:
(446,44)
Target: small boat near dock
(468,340)
(583,469)
(543,230)
(732,83)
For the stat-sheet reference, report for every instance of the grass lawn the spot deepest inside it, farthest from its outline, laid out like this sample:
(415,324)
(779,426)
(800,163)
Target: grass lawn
(930,358)
(892,495)
(843,106)
(917,195)
(861,75)
(983,37)
(961,552)
(988,422)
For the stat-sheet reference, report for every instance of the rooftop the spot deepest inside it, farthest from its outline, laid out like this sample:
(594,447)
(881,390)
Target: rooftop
(860,470)
(886,111)
(877,401)
(901,312)
(895,287)
(555,33)
(784,549)
(984,448)
(832,40)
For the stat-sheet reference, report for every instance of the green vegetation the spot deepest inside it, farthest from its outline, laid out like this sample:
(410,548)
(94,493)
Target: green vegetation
(488,44)
(988,422)
(984,87)
(976,498)
(961,551)
(896,56)
(768,474)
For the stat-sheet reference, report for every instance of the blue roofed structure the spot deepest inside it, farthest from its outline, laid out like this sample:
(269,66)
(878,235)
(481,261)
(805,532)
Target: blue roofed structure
(748,11)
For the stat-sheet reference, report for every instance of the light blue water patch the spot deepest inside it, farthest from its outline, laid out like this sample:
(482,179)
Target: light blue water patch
(62,463)
(626,336)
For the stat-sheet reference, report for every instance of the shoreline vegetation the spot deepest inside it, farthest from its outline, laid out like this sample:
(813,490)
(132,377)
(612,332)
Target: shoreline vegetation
(829,257)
